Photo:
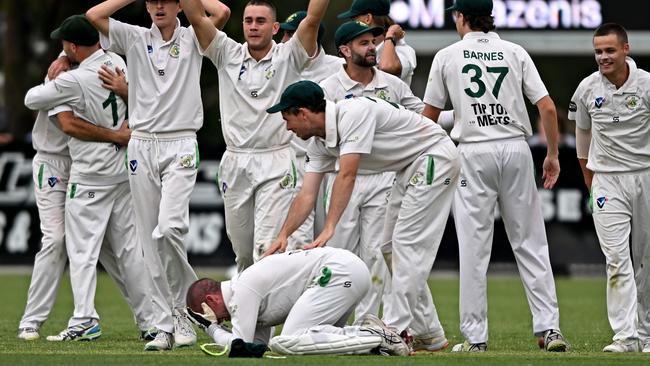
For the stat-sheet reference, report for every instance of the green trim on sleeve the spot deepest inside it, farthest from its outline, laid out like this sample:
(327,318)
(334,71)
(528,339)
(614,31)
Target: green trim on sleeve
(431,167)
(294,174)
(197,158)
(40,176)
(73,190)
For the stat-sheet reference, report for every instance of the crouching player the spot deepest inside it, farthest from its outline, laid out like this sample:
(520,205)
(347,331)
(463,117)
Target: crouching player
(312,292)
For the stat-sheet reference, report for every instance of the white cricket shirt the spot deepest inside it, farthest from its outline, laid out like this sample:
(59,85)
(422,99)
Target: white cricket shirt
(483,76)
(47,137)
(164,90)
(248,87)
(388,136)
(93,163)
(619,120)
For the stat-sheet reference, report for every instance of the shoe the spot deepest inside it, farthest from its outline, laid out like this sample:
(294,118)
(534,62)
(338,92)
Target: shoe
(88,331)
(149,334)
(391,342)
(28,334)
(432,344)
(646,347)
(162,342)
(554,341)
(184,334)
(623,346)
(470,347)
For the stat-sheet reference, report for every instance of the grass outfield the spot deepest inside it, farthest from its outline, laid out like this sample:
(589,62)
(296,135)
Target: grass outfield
(583,319)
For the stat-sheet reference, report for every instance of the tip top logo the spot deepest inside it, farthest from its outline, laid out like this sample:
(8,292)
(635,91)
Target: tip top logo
(508,14)
(52,181)
(133,165)
(599,102)
(600,202)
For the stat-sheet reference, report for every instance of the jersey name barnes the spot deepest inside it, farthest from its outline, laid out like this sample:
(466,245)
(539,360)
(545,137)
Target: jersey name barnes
(483,56)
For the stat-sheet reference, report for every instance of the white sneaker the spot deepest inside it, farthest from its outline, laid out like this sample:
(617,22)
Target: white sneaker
(432,344)
(646,347)
(28,334)
(623,346)
(554,341)
(184,334)
(88,331)
(162,342)
(470,347)
(391,342)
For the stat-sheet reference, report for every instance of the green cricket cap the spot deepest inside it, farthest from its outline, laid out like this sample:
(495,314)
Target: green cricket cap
(351,30)
(472,7)
(293,20)
(300,94)
(78,30)
(360,7)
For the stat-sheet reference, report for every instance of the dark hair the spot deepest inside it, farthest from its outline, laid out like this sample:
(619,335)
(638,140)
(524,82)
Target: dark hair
(198,291)
(317,108)
(266,3)
(612,28)
(484,23)
(383,21)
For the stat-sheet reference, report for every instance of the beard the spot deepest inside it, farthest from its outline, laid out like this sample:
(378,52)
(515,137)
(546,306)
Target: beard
(363,61)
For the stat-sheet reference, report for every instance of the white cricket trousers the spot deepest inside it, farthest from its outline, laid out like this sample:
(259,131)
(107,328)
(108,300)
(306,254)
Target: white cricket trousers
(317,319)
(96,215)
(257,187)
(162,172)
(415,221)
(621,210)
(51,173)
(360,230)
(501,172)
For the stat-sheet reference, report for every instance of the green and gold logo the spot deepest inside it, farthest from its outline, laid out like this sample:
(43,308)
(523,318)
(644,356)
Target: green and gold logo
(382,94)
(187,161)
(291,17)
(632,102)
(175,50)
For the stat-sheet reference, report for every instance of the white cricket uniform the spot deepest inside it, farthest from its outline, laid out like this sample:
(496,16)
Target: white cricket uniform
(407,58)
(619,156)
(98,204)
(484,76)
(362,223)
(311,292)
(258,172)
(165,111)
(390,138)
(318,69)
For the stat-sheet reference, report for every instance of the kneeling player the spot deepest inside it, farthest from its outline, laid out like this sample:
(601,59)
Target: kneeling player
(312,292)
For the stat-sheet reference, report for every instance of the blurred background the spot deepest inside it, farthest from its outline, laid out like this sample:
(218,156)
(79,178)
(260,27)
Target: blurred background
(557,34)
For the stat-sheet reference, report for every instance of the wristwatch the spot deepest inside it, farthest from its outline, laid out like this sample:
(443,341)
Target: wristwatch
(392,39)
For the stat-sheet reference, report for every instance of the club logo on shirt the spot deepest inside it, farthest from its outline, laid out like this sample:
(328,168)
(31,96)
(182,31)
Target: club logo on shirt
(632,102)
(599,102)
(600,201)
(382,94)
(175,50)
(287,181)
(133,165)
(417,179)
(52,181)
(269,72)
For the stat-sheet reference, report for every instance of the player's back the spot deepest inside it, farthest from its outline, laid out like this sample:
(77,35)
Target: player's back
(486,78)
(97,162)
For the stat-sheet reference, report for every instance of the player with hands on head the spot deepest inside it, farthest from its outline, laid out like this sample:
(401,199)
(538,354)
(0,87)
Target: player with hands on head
(611,108)
(485,78)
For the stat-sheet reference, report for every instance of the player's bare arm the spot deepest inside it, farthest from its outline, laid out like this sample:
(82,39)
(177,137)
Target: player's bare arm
(86,131)
(219,12)
(98,15)
(307,31)
(390,61)
(299,210)
(551,167)
(431,112)
(341,192)
(115,81)
(61,64)
(203,27)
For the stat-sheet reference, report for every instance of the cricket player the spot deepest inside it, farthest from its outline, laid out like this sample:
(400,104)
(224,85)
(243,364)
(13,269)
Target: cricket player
(484,77)
(375,135)
(362,223)
(165,111)
(611,108)
(258,171)
(98,203)
(311,292)
(394,56)
(319,68)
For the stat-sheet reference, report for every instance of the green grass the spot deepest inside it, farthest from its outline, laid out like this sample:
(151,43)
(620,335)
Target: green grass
(583,320)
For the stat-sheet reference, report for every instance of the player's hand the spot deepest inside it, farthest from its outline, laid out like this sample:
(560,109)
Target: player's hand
(58,66)
(396,32)
(123,135)
(278,246)
(321,240)
(551,171)
(114,80)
